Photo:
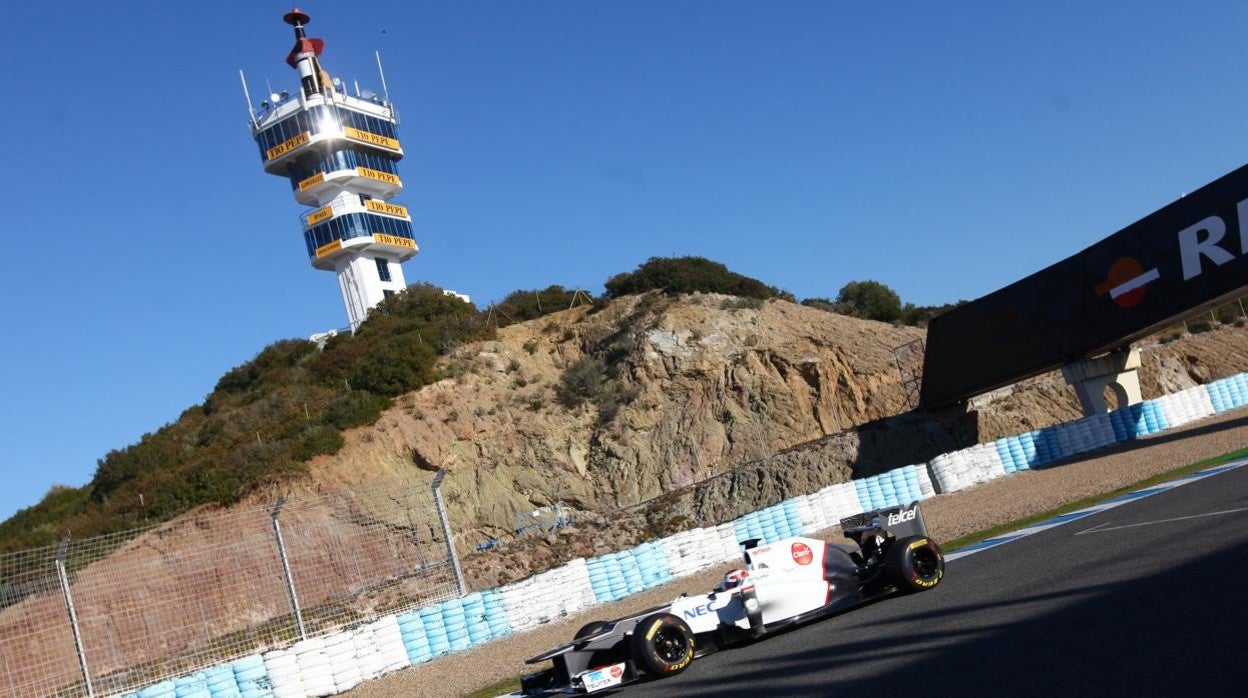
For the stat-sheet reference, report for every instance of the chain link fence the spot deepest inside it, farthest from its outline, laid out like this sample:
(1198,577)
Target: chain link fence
(105,615)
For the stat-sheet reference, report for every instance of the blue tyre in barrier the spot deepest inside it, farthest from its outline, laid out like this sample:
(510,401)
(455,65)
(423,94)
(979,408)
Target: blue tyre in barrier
(435,630)
(496,613)
(1046,451)
(1006,454)
(193,686)
(417,647)
(221,682)
(164,689)
(252,677)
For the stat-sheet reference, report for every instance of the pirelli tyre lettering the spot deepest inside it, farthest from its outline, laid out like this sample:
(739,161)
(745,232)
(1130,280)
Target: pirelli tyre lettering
(914,563)
(663,644)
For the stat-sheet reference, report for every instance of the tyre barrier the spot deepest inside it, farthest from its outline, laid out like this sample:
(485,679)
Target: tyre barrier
(315,672)
(837,502)
(435,631)
(252,678)
(221,682)
(324,666)
(415,642)
(340,651)
(192,686)
(282,667)
(1223,394)
(164,689)
(898,486)
(495,614)
(970,466)
(369,663)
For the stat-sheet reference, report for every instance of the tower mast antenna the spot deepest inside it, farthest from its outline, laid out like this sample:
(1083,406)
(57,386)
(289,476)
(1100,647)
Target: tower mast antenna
(251,112)
(385,90)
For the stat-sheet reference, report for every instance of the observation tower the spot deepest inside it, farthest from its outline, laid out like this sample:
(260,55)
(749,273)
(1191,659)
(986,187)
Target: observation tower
(340,152)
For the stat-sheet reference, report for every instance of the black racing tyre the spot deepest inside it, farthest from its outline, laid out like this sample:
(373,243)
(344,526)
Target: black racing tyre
(662,644)
(591,628)
(914,563)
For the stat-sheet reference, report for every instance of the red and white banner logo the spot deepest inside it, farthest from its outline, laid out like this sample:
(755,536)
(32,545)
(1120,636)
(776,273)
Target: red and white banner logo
(802,554)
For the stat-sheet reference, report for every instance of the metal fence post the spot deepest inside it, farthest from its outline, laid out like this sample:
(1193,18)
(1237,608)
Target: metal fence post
(73,615)
(446,530)
(290,581)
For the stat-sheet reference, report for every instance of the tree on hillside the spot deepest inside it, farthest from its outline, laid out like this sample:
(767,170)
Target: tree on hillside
(869,299)
(676,275)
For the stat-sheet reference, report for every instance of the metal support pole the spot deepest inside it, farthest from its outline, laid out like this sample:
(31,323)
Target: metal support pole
(446,530)
(73,615)
(290,581)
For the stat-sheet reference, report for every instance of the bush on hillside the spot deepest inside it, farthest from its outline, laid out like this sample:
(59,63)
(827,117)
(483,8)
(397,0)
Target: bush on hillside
(870,300)
(522,305)
(281,354)
(920,315)
(581,381)
(355,408)
(675,275)
(394,365)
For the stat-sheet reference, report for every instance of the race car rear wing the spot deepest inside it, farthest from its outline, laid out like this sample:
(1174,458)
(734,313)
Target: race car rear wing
(900,520)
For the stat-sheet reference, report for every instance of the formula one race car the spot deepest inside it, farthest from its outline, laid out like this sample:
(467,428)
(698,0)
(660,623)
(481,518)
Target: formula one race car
(783,584)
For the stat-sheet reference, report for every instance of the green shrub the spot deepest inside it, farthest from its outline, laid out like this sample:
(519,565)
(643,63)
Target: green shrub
(580,381)
(394,365)
(1228,313)
(281,354)
(741,303)
(871,300)
(356,408)
(519,306)
(676,275)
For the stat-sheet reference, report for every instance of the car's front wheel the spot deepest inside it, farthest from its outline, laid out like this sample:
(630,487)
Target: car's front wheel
(914,563)
(662,644)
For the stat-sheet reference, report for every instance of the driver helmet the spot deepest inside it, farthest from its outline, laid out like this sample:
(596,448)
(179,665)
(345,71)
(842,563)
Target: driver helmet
(732,580)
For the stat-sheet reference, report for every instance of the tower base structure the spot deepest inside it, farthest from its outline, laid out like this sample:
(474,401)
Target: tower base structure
(365,281)
(1116,371)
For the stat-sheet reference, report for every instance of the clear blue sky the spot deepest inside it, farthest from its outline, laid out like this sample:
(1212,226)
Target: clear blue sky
(945,149)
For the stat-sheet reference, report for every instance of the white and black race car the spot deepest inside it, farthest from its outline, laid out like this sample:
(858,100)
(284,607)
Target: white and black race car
(784,583)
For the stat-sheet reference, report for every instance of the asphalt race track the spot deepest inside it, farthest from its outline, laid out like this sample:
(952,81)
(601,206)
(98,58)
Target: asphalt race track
(1149,598)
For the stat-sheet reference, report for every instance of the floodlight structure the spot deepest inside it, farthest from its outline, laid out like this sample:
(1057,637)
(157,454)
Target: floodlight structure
(340,153)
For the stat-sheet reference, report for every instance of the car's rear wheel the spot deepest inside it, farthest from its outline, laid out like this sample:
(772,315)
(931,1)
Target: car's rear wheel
(662,644)
(914,563)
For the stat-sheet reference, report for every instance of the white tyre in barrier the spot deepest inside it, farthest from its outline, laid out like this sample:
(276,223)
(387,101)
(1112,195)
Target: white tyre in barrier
(926,488)
(728,548)
(811,518)
(315,672)
(512,598)
(368,659)
(389,642)
(282,667)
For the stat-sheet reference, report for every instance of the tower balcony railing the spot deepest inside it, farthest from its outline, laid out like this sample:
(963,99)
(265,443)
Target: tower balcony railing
(289,135)
(351,203)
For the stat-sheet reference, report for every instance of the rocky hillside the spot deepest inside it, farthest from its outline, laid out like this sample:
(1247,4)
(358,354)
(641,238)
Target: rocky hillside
(607,408)
(665,392)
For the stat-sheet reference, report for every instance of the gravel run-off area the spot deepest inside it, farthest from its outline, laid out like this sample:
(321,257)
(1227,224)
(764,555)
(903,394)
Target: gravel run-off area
(948,517)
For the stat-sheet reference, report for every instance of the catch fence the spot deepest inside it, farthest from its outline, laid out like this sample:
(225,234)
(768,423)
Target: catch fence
(105,615)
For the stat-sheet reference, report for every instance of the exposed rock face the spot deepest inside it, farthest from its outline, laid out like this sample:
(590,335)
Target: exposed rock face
(688,388)
(683,389)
